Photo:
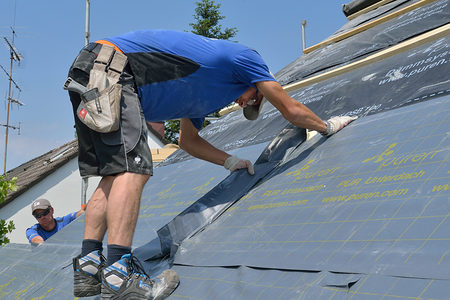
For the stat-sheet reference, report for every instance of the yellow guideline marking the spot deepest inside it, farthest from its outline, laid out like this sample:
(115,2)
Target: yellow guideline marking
(298,171)
(2,293)
(425,289)
(404,232)
(427,239)
(441,187)
(183,203)
(359,286)
(308,285)
(202,189)
(19,293)
(170,214)
(365,196)
(380,157)
(396,177)
(279,204)
(43,296)
(443,255)
(313,188)
(146,215)
(162,193)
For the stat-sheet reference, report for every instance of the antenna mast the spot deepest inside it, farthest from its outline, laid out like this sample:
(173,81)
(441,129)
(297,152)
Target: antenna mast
(87,21)
(14,56)
(303,35)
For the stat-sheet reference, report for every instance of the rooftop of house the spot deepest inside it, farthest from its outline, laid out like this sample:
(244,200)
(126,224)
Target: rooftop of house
(361,214)
(32,172)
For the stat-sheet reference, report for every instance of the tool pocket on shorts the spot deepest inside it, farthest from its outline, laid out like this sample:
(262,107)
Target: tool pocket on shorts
(83,63)
(100,111)
(130,124)
(99,108)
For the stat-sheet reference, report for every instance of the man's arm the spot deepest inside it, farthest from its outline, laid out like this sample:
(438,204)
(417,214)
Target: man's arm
(33,236)
(196,146)
(83,208)
(297,113)
(292,110)
(37,240)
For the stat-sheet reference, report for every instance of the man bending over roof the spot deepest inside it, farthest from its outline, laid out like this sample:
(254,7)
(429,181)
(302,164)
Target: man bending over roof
(115,86)
(47,225)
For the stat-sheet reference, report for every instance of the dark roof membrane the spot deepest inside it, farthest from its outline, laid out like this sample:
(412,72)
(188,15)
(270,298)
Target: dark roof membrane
(357,5)
(363,213)
(389,33)
(381,86)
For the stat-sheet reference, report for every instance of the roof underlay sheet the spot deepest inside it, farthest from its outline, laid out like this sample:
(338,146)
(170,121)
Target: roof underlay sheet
(386,34)
(363,214)
(357,5)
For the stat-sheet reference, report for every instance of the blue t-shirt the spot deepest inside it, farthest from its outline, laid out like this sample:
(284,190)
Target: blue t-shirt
(183,75)
(36,229)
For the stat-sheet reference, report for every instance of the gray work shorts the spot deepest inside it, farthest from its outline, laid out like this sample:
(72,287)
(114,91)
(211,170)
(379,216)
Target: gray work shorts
(124,150)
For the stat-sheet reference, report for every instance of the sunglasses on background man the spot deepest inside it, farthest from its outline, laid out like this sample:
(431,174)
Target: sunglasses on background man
(42,214)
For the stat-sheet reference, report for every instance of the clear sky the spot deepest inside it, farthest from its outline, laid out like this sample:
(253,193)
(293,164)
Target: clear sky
(50,34)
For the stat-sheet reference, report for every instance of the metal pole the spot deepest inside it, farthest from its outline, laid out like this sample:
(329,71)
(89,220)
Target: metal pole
(84,186)
(85,180)
(7,116)
(87,33)
(303,35)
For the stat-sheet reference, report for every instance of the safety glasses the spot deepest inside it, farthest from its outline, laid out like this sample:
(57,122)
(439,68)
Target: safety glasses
(42,214)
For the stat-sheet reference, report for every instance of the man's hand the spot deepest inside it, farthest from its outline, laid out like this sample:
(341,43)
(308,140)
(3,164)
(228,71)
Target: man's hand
(37,240)
(337,123)
(82,210)
(234,163)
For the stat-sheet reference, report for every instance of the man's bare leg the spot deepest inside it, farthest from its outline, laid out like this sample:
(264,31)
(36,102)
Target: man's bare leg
(122,213)
(87,265)
(95,219)
(123,207)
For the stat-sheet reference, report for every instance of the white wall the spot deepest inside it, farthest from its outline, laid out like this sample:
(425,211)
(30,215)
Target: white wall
(153,141)
(62,188)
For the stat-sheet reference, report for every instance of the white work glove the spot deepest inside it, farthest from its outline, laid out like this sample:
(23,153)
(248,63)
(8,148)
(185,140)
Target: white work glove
(337,123)
(234,163)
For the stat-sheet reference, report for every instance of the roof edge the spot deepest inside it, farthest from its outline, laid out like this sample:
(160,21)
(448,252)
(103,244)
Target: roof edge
(37,169)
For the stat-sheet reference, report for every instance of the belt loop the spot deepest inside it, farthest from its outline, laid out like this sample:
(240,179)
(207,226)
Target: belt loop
(103,58)
(117,65)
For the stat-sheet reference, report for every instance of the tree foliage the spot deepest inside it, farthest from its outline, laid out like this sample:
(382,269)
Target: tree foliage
(172,130)
(5,228)
(6,185)
(207,16)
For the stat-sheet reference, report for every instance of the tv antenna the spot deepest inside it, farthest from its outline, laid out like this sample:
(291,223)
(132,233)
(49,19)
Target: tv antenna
(15,56)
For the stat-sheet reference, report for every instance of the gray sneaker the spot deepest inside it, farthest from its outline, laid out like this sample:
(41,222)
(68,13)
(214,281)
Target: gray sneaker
(126,279)
(86,274)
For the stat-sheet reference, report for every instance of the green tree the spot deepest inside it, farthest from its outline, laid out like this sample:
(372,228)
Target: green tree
(6,185)
(172,130)
(207,16)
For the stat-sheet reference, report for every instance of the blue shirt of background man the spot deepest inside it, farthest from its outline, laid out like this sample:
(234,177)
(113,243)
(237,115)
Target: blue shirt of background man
(36,229)
(183,75)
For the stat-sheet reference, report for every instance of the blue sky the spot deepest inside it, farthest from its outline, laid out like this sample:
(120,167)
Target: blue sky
(50,33)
